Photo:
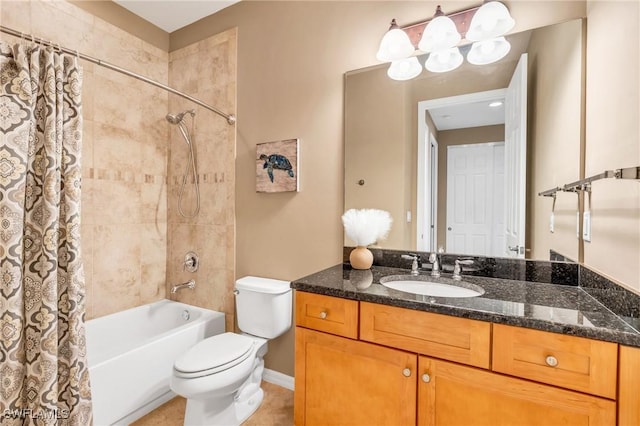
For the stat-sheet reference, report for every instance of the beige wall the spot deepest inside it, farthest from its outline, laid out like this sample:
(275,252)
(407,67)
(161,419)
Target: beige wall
(613,138)
(124,153)
(207,71)
(554,140)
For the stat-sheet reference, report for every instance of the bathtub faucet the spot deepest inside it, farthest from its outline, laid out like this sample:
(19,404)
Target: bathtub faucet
(188,284)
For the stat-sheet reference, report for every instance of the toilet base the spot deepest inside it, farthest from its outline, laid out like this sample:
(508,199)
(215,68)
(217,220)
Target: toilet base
(223,412)
(233,409)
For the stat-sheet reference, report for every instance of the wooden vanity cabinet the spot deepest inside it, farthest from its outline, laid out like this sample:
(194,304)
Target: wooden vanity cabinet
(403,367)
(340,381)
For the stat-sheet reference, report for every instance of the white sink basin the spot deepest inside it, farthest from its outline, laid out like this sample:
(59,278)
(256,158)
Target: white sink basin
(421,285)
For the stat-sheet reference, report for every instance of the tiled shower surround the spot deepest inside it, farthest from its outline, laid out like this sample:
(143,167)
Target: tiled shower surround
(131,155)
(207,71)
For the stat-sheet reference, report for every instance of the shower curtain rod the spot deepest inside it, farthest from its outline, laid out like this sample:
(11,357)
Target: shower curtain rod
(231,119)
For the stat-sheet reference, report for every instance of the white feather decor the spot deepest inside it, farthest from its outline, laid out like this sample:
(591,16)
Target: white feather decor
(366,226)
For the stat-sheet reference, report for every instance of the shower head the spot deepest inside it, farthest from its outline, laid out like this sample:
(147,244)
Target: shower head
(177,118)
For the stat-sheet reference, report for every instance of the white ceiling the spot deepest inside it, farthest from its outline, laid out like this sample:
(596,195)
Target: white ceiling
(171,15)
(462,116)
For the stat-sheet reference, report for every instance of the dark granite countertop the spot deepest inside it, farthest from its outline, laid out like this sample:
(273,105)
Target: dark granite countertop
(566,309)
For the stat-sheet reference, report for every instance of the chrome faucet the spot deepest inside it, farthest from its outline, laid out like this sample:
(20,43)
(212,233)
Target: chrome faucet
(415,265)
(434,259)
(189,284)
(457,268)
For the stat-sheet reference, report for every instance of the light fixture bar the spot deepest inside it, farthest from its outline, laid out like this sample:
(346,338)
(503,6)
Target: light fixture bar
(462,20)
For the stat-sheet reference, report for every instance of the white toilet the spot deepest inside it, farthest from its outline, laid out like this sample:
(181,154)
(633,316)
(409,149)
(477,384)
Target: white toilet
(220,376)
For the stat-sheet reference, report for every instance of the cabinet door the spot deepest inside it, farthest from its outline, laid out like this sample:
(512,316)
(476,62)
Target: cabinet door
(340,381)
(454,395)
(629,387)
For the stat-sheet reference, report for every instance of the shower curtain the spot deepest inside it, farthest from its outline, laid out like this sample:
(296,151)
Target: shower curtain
(44,377)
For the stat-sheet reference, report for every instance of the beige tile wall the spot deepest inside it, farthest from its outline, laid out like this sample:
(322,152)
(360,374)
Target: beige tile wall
(206,70)
(134,240)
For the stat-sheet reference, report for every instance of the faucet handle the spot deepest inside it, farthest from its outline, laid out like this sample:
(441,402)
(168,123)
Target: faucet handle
(410,256)
(415,258)
(457,268)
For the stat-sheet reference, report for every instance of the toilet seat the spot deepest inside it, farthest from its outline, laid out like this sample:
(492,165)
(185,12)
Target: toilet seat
(213,355)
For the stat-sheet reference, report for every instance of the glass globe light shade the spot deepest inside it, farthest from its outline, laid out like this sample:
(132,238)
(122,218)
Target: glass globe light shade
(395,45)
(444,60)
(488,51)
(439,34)
(491,20)
(404,69)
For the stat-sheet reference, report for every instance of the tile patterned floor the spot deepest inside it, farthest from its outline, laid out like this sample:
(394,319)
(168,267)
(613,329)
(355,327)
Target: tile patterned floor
(276,410)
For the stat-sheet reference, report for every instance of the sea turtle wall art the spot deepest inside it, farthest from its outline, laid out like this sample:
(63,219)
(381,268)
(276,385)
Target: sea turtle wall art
(277,166)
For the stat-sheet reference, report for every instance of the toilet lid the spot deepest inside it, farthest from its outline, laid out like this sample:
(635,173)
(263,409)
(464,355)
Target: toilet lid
(214,354)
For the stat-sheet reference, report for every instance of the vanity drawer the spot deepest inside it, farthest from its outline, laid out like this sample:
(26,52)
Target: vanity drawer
(567,361)
(329,314)
(451,338)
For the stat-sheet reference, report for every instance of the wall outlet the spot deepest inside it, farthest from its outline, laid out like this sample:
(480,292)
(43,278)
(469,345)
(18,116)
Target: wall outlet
(586,226)
(408,216)
(551,222)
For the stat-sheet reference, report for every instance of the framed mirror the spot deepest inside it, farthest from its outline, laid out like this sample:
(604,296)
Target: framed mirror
(431,150)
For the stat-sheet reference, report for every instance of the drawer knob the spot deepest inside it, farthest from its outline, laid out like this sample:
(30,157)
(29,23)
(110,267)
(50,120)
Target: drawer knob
(323,315)
(406,372)
(426,378)
(551,361)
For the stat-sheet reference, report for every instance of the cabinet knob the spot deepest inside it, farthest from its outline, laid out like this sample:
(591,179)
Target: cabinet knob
(551,361)
(426,378)
(406,372)
(323,315)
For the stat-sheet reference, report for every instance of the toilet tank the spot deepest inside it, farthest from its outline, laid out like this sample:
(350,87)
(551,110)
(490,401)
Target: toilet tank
(263,306)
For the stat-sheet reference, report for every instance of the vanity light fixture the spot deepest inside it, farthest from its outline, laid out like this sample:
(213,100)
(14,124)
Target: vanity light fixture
(441,38)
(488,51)
(439,34)
(395,45)
(444,60)
(404,69)
(490,21)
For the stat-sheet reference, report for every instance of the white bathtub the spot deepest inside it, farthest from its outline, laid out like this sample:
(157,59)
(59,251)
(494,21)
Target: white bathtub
(131,354)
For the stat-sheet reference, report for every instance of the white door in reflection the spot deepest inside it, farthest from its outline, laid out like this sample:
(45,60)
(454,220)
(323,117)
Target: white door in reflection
(475,199)
(516,160)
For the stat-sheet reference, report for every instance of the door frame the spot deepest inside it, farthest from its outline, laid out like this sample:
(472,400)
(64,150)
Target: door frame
(426,238)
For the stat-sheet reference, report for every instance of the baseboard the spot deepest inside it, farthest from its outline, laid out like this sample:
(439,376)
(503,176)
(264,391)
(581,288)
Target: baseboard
(278,378)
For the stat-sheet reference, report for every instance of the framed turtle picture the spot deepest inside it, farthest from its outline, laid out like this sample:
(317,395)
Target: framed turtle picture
(277,166)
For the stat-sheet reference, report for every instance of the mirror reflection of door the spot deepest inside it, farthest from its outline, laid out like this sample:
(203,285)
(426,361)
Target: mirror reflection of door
(466,120)
(475,199)
(516,160)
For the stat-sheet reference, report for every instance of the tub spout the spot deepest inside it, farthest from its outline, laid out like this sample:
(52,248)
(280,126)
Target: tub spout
(188,284)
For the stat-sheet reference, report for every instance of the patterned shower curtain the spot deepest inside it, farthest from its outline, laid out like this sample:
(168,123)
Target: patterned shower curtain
(44,377)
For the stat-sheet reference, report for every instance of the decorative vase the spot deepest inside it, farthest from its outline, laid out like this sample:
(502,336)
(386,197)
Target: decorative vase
(361,258)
